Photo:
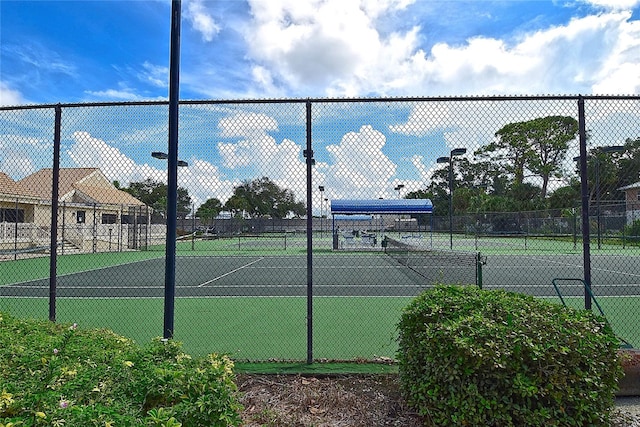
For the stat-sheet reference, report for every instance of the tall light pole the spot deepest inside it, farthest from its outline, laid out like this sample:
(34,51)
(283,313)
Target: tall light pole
(600,150)
(452,154)
(321,188)
(326,212)
(171,236)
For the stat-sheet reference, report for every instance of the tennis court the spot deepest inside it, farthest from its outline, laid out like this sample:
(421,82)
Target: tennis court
(250,302)
(341,274)
(367,274)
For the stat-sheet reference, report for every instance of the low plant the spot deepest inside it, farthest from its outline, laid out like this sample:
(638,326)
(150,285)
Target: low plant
(54,374)
(476,357)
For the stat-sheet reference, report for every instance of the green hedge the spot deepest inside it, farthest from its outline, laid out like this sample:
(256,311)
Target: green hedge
(471,357)
(62,375)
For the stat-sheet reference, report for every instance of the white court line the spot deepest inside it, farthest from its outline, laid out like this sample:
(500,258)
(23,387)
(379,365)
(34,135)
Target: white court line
(106,267)
(230,272)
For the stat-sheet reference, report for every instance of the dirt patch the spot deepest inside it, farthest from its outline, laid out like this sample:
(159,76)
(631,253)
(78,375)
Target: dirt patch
(339,401)
(350,400)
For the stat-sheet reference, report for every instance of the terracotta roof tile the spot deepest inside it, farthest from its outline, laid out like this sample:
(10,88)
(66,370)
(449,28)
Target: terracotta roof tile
(40,182)
(9,187)
(76,179)
(108,195)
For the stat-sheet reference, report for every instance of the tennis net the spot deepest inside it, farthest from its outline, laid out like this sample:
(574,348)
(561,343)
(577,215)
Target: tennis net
(437,265)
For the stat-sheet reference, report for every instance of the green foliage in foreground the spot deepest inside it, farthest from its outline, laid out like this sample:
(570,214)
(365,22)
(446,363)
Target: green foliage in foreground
(474,357)
(59,375)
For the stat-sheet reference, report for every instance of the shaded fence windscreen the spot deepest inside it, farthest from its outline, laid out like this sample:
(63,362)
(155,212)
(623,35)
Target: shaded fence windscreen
(538,195)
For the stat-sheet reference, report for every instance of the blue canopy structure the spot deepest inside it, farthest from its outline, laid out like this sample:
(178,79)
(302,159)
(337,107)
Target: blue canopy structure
(368,209)
(381,206)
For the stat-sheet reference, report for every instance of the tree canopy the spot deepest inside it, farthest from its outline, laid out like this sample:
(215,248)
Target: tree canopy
(533,148)
(154,193)
(264,198)
(513,173)
(209,210)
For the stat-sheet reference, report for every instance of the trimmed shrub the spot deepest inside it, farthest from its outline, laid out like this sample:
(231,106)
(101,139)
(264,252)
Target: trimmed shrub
(472,357)
(62,375)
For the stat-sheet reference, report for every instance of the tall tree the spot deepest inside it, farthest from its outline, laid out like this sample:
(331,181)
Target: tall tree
(209,210)
(154,193)
(263,197)
(566,197)
(629,162)
(537,147)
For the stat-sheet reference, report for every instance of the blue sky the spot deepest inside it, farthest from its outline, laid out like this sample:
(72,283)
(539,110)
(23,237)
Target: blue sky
(96,51)
(92,50)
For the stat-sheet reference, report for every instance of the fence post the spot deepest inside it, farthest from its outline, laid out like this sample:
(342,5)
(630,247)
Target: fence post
(94,232)
(172,173)
(15,237)
(53,259)
(309,157)
(586,249)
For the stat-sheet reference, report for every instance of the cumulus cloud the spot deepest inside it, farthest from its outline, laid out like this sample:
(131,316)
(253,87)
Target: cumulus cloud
(21,155)
(258,151)
(614,4)
(16,162)
(318,43)
(88,151)
(359,168)
(202,179)
(337,48)
(9,96)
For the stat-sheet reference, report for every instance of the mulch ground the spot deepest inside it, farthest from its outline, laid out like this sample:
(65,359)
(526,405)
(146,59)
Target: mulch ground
(349,400)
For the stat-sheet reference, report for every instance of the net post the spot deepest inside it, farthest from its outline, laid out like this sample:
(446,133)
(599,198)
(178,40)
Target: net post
(479,270)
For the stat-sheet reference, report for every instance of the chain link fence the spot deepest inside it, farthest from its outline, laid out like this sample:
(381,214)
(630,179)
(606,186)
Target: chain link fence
(538,195)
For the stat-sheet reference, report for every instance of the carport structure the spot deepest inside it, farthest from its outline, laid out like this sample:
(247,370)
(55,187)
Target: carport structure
(359,207)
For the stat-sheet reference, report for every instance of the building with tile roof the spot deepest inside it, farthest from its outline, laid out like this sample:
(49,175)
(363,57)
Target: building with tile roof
(90,208)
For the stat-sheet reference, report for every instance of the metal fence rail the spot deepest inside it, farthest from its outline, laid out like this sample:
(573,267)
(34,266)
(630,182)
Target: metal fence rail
(543,187)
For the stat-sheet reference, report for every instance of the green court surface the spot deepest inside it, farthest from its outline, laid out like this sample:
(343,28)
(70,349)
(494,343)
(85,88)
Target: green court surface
(266,328)
(246,328)
(247,296)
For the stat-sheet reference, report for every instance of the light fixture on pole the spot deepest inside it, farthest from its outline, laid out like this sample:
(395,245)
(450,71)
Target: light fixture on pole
(398,188)
(164,156)
(321,188)
(452,154)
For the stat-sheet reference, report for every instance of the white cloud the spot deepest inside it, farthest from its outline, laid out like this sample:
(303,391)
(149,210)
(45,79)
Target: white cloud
(115,94)
(9,96)
(571,58)
(259,151)
(20,155)
(313,43)
(202,179)
(253,128)
(90,152)
(16,162)
(201,20)
(335,47)
(246,125)
(614,4)
(359,168)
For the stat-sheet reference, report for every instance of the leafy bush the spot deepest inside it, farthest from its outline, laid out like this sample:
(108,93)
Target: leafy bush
(53,374)
(474,357)
(632,231)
